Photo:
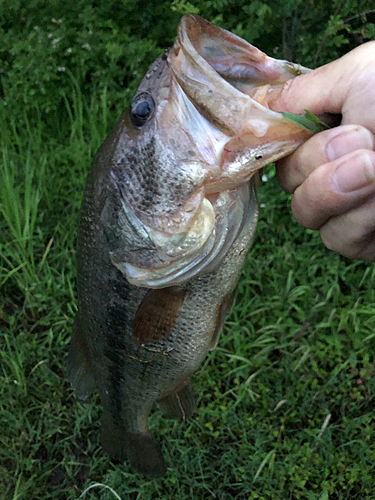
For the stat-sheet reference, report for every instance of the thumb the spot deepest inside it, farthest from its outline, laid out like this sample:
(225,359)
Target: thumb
(343,86)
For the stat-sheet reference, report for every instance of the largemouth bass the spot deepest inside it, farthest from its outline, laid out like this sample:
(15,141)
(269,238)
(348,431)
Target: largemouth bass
(168,215)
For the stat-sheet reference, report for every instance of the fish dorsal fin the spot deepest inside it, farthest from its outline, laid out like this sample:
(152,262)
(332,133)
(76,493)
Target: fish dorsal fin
(157,314)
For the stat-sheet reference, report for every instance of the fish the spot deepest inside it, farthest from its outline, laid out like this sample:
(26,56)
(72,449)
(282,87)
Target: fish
(168,215)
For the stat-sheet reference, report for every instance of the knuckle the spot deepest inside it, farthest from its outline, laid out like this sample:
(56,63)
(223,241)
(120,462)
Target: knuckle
(328,241)
(302,211)
(340,237)
(284,177)
(287,89)
(368,250)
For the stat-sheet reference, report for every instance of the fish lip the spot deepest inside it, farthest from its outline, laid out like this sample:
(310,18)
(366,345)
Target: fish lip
(184,54)
(265,69)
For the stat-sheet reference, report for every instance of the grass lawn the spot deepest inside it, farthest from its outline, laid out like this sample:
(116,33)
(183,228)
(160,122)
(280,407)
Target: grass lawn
(285,404)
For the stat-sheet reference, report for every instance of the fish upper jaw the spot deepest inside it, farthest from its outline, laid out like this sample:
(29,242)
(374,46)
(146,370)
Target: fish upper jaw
(222,74)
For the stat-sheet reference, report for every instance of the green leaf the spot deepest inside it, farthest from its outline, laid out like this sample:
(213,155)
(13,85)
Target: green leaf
(309,121)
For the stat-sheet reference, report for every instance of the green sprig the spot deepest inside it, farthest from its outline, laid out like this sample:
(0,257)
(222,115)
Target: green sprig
(309,121)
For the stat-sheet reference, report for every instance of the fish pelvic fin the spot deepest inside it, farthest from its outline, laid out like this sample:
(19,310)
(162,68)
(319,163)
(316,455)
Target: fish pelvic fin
(180,403)
(78,364)
(140,448)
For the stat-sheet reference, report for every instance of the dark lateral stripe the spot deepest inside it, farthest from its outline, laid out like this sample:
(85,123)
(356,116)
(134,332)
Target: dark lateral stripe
(157,315)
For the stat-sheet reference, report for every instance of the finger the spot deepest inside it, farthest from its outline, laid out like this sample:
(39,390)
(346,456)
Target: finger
(353,233)
(322,148)
(335,188)
(341,86)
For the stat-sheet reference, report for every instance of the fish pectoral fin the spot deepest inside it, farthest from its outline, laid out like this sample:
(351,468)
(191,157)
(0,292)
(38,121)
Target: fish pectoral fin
(180,403)
(78,364)
(157,314)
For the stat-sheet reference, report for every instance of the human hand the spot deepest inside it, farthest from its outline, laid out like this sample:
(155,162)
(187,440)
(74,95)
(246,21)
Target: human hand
(332,176)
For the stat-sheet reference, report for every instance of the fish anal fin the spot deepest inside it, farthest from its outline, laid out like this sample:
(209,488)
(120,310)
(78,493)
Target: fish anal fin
(145,455)
(224,309)
(180,403)
(157,315)
(78,364)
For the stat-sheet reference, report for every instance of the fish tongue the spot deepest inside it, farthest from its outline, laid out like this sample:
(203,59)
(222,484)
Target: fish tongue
(227,80)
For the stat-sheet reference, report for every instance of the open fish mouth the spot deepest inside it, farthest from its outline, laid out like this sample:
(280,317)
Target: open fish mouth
(217,101)
(228,81)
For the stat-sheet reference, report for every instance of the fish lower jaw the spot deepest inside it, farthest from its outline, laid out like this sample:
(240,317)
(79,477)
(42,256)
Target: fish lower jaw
(225,183)
(212,237)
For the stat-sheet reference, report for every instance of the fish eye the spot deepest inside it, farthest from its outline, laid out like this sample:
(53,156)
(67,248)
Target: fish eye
(142,109)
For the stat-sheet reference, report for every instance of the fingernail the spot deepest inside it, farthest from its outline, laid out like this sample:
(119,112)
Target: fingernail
(357,174)
(349,140)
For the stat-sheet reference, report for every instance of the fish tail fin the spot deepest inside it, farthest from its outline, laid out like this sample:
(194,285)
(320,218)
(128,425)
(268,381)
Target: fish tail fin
(180,403)
(78,364)
(140,448)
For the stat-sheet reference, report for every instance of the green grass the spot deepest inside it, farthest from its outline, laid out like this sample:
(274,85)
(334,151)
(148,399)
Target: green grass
(285,404)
